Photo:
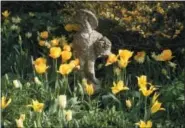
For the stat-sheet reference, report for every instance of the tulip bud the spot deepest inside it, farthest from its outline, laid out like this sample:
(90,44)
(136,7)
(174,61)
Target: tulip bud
(68,115)
(17,84)
(62,101)
(37,81)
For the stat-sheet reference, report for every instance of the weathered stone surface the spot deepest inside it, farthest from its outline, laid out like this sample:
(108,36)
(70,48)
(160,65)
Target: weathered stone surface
(88,45)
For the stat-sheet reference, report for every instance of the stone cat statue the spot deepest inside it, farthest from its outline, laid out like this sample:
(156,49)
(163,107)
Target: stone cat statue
(88,45)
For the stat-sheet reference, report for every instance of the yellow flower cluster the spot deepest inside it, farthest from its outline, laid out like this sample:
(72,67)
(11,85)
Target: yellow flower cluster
(122,58)
(143,85)
(147,91)
(40,65)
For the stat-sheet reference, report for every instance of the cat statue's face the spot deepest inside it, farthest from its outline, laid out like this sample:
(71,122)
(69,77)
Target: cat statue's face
(103,47)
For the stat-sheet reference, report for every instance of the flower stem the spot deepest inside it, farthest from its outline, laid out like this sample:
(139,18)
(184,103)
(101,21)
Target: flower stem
(145,114)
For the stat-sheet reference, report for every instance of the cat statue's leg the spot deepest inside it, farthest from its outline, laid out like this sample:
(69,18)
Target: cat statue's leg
(91,74)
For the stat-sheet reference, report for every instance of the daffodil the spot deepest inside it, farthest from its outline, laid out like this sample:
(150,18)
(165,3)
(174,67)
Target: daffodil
(112,58)
(6,13)
(156,107)
(140,57)
(37,106)
(125,54)
(143,124)
(68,115)
(4,102)
(44,34)
(118,87)
(19,122)
(62,101)
(55,52)
(89,89)
(65,69)
(55,42)
(128,103)
(142,81)
(40,60)
(122,63)
(66,55)
(41,68)
(146,92)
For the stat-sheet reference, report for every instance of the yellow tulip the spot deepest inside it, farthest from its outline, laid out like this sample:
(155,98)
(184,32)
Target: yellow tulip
(89,89)
(140,57)
(19,122)
(42,42)
(67,48)
(44,34)
(5,103)
(128,103)
(146,92)
(154,98)
(65,69)
(40,60)
(6,13)
(112,58)
(37,107)
(166,55)
(143,124)
(118,87)
(41,68)
(74,63)
(156,107)
(55,52)
(142,81)
(125,54)
(122,63)
(68,115)
(54,42)
(66,55)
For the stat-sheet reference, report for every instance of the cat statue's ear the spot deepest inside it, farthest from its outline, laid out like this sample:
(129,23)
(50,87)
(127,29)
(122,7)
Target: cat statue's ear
(83,14)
